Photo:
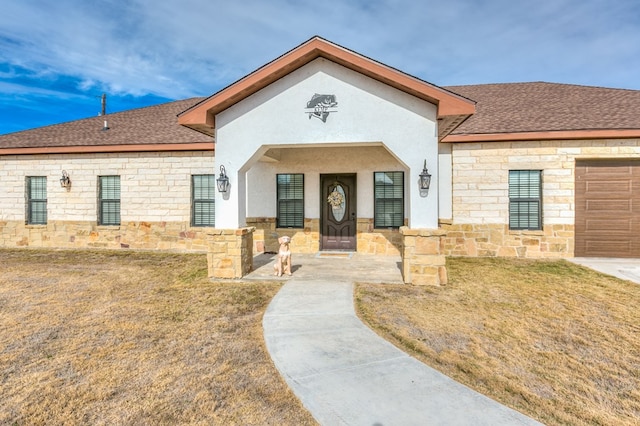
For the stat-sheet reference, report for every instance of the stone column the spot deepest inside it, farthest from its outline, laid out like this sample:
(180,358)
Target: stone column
(230,253)
(423,260)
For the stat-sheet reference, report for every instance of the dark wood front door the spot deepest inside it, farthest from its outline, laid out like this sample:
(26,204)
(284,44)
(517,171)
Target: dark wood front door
(338,212)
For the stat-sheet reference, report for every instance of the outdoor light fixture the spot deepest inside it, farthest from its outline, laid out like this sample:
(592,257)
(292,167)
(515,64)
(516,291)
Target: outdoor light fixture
(222,181)
(425,178)
(65,182)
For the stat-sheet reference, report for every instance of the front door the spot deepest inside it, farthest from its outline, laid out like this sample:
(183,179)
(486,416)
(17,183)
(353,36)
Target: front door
(338,212)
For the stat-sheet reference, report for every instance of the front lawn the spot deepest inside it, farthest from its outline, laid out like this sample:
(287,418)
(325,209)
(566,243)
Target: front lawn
(103,337)
(554,340)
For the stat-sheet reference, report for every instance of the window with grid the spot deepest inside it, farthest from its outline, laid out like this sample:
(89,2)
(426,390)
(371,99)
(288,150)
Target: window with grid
(203,200)
(109,200)
(36,200)
(388,199)
(290,200)
(525,199)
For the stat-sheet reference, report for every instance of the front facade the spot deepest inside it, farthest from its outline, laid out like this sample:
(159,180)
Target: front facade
(579,147)
(274,143)
(328,147)
(127,188)
(576,218)
(116,200)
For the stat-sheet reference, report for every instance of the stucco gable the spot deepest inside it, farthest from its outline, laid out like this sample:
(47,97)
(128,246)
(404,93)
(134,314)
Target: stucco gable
(323,102)
(453,109)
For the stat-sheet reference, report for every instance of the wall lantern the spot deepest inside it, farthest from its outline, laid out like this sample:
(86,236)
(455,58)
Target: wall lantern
(425,178)
(65,182)
(222,181)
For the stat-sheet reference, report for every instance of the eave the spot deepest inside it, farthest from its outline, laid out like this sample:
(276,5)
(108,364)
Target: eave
(199,146)
(544,135)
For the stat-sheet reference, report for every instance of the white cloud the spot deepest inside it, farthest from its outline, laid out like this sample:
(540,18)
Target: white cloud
(180,48)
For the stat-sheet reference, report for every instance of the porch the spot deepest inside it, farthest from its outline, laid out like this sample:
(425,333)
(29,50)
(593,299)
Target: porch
(333,266)
(422,261)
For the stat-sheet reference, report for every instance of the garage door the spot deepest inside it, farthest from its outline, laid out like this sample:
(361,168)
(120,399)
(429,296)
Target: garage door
(607,208)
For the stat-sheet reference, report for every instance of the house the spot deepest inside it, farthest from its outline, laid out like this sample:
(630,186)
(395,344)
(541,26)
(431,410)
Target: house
(340,152)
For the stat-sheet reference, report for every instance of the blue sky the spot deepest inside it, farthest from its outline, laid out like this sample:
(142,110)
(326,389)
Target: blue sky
(58,57)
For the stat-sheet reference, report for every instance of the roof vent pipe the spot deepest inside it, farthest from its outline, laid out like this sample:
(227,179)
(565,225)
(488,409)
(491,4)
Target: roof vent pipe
(103,101)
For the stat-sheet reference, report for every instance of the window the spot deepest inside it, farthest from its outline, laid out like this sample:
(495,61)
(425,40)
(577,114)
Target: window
(109,200)
(388,199)
(203,200)
(36,200)
(290,201)
(525,199)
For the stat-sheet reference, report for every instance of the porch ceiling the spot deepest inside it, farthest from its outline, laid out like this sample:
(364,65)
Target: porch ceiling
(274,153)
(453,109)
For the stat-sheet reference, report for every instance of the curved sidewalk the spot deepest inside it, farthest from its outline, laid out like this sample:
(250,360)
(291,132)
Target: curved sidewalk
(344,373)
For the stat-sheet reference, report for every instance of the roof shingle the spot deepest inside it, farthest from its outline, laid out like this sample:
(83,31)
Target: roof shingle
(507,108)
(544,107)
(152,125)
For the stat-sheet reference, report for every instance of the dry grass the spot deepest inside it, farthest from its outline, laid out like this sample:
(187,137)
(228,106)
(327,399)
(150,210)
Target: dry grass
(553,340)
(134,338)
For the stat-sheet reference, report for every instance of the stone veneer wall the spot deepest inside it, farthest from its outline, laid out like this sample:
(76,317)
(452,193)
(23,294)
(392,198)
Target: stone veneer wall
(497,240)
(265,236)
(155,200)
(481,199)
(77,234)
(307,240)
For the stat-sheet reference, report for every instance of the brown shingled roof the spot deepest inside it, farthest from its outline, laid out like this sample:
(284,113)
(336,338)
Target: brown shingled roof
(514,110)
(548,107)
(152,125)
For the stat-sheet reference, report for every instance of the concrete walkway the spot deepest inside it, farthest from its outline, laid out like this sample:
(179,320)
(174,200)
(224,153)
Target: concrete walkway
(625,269)
(345,374)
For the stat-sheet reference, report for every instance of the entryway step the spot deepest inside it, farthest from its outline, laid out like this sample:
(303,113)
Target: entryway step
(335,254)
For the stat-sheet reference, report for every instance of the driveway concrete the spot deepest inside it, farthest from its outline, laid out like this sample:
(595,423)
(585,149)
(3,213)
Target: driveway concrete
(345,374)
(626,269)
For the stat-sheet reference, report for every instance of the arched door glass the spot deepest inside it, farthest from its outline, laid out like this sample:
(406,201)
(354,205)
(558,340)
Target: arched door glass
(338,202)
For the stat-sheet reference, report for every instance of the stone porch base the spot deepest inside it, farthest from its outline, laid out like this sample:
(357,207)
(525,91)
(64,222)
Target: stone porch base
(230,252)
(386,242)
(423,260)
